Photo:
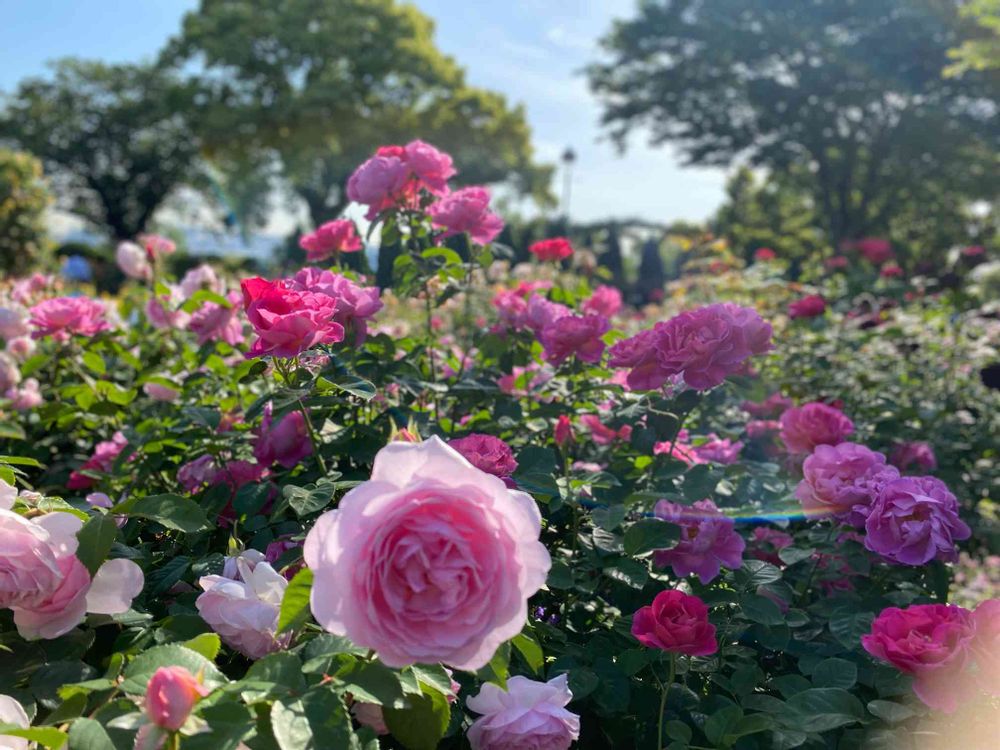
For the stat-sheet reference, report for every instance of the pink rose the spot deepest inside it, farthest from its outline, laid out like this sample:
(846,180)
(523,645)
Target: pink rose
(63,317)
(916,453)
(718,450)
(708,540)
(13,322)
(600,433)
(432,560)
(370,715)
(159,392)
(198,278)
(156,245)
(12,712)
(837,478)
(132,261)
(575,335)
(772,406)
(288,322)
(540,313)
(876,250)
(103,458)
(553,250)
(330,239)
(764,254)
(804,427)
(26,397)
(171,695)
(810,306)
(487,453)
(355,304)
(378,183)
(163,310)
(195,474)
(930,642)
(28,567)
(528,714)
(431,167)
(675,622)
(244,610)
(562,433)
(213,322)
(467,211)
(606,301)
(285,442)
(21,348)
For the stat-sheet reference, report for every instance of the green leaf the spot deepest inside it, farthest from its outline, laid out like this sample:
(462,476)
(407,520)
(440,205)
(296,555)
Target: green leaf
(45,736)
(373,682)
(792,555)
(848,626)
(95,538)
(423,723)
(311,498)
(835,673)
(88,734)
(20,461)
(295,609)
(529,648)
(761,609)
(822,709)
(356,386)
(93,362)
(721,723)
(282,670)
(754,573)
(497,669)
(140,669)
(172,511)
(632,573)
(649,534)
(317,721)
(891,712)
(206,644)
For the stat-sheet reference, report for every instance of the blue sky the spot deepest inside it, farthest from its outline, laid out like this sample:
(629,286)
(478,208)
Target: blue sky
(530,50)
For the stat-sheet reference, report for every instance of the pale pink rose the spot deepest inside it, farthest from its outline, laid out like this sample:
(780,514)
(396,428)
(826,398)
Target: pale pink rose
(25,397)
(132,261)
(10,375)
(156,245)
(804,427)
(21,348)
(26,290)
(29,571)
(370,715)
(198,278)
(431,560)
(159,392)
(12,712)
(244,612)
(13,322)
(163,310)
(214,322)
(171,695)
(606,301)
(467,211)
(528,714)
(63,317)
(8,494)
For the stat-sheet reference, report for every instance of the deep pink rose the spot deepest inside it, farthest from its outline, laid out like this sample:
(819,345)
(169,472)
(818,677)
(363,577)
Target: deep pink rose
(600,433)
(916,453)
(330,239)
(467,211)
(285,441)
(575,335)
(562,433)
(378,183)
(528,715)
(171,695)
(214,322)
(193,475)
(810,306)
(606,301)
(675,622)
(718,450)
(63,317)
(915,520)
(430,166)
(288,322)
(804,427)
(837,478)
(432,560)
(554,249)
(487,453)
(772,406)
(930,642)
(355,304)
(764,254)
(101,461)
(876,250)
(708,540)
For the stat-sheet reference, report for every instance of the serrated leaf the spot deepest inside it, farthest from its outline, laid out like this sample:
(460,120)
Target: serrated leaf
(529,648)
(206,644)
(295,609)
(95,540)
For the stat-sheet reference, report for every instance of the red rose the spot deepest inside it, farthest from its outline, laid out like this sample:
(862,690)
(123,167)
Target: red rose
(554,249)
(675,622)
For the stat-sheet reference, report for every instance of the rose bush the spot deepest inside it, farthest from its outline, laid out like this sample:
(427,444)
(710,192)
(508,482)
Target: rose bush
(477,512)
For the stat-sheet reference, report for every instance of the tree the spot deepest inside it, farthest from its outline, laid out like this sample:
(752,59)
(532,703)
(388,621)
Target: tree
(320,84)
(982,51)
(116,139)
(24,196)
(850,91)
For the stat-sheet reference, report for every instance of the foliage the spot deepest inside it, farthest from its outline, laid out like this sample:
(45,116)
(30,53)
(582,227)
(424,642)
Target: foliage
(983,51)
(24,196)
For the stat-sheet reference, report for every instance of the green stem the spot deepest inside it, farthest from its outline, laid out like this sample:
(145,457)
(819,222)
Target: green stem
(664,689)
(282,368)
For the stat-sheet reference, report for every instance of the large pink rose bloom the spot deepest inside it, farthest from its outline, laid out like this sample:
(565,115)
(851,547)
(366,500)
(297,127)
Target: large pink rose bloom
(804,427)
(915,520)
(378,183)
(467,210)
(432,167)
(28,567)
(575,335)
(431,560)
(63,317)
(355,304)
(708,540)
(528,715)
(930,642)
(288,322)
(837,478)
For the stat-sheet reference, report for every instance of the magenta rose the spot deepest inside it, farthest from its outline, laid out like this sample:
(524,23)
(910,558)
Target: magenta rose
(431,560)
(331,238)
(708,540)
(838,478)
(355,304)
(804,427)
(431,166)
(930,642)
(102,460)
(552,250)
(772,406)
(378,183)
(606,301)
(916,453)
(285,442)
(875,249)
(915,520)
(809,306)
(63,317)
(487,453)
(575,335)
(675,622)
(288,322)
(467,211)
(528,715)
(718,450)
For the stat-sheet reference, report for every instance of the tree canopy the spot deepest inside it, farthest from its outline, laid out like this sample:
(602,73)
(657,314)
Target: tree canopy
(116,139)
(320,84)
(851,91)
(24,196)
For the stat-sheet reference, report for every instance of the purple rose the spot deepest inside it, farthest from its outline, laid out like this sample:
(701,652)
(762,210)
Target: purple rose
(708,540)
(838,478)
